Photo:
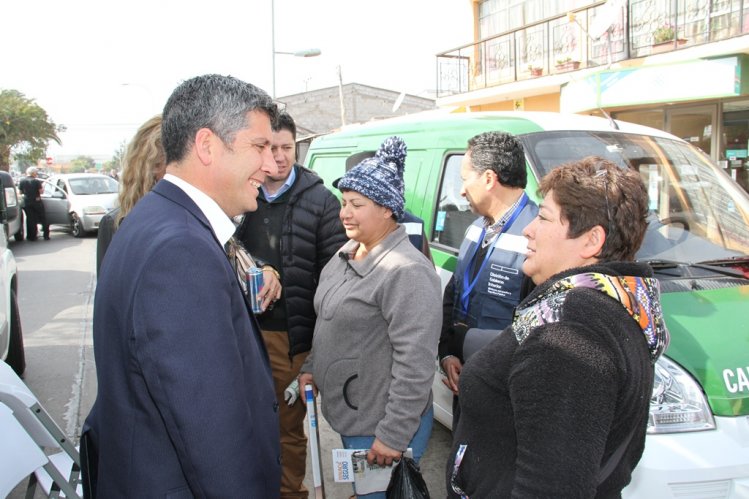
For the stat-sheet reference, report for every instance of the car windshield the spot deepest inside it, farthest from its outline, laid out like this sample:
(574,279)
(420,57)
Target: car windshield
(697,213)
(93,185)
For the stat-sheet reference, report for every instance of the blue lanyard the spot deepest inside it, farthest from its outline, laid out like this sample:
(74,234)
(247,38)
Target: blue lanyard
(468,287)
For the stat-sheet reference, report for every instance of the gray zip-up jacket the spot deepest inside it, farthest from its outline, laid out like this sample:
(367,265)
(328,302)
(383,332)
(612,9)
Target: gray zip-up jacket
(375,341)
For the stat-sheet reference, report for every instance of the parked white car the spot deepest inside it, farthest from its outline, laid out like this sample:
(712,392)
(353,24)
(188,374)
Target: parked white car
(79,200)
(11,336)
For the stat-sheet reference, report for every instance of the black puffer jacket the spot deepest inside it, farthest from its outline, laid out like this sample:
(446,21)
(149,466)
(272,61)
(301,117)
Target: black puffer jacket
(311,232)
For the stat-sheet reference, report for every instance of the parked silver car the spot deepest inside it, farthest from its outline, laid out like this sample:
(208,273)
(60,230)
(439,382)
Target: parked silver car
(79,200)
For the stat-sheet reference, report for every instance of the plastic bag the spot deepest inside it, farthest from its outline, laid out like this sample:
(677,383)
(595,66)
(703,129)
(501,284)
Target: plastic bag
(292,392)
(406,481)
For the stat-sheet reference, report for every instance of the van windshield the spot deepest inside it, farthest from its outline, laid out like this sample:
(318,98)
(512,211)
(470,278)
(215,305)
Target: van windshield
(697,213)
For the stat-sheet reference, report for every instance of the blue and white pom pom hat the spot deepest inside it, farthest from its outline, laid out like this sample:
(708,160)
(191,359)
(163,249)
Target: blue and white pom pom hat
(380,178)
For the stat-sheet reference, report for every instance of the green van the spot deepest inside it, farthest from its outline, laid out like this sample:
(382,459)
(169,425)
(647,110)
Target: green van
(697,243)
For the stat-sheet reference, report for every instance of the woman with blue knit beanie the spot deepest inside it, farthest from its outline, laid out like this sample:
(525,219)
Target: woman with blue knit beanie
(378,310)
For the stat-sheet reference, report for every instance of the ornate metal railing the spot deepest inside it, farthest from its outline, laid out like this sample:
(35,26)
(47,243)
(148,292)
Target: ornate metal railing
(599,34)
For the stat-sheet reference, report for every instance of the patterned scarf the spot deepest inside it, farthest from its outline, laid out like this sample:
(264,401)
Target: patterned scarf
(640,296)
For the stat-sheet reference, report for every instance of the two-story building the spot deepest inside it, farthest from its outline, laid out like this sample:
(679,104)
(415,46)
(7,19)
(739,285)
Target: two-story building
(678,65)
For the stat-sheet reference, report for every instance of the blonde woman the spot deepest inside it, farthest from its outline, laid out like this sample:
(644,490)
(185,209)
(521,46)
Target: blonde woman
(144,165)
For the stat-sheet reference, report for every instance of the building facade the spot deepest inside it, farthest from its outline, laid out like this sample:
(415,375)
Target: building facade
(677,65)
(324,110)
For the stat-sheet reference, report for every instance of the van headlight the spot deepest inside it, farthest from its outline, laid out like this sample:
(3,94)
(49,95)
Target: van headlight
(94,210)
(677,403)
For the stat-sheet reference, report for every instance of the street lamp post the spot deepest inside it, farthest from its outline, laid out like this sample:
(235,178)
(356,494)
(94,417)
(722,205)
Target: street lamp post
(298,53)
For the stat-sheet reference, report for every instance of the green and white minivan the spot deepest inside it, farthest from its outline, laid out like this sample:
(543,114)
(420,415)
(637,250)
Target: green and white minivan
(697,244)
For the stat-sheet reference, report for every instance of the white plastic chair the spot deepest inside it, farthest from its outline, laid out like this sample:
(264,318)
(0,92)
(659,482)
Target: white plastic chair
(61,457)
(19,454)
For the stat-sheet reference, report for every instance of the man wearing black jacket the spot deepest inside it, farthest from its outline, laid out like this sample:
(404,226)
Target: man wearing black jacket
(295,230)
(31,187)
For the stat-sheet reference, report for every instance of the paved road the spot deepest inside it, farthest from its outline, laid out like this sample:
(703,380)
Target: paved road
(56,289)
(56,286)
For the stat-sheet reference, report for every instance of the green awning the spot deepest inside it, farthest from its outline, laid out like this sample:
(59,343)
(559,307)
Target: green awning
(682,81)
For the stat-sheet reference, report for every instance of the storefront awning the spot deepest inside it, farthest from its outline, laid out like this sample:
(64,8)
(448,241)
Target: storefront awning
(681,81)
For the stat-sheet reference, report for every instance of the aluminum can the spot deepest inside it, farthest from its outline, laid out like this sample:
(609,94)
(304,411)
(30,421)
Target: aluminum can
(254,285)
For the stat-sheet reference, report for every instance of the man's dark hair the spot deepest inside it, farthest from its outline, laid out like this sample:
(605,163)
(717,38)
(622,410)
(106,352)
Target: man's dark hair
(284,121)
(501,153)
(594,191)
(219,103)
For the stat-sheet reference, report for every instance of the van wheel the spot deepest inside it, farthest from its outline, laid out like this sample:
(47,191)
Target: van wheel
(16,357)
(76,227)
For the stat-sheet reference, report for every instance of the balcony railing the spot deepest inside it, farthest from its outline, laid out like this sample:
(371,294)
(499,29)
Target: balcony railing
(597,35)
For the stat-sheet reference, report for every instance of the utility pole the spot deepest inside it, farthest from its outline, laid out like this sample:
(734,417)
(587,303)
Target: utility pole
(340,97)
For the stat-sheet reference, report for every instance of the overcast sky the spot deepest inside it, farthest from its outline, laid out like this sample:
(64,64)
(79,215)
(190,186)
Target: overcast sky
(103,67)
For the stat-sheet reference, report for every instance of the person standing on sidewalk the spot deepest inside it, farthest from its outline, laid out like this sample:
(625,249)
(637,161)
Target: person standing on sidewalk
(378,321)
(558,404)
(31,188)
(185,405)
(486,284)
(144,165)
(294,232)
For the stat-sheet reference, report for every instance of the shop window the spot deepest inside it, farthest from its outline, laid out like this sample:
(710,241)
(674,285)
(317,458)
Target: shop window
(653,119)
(734,147)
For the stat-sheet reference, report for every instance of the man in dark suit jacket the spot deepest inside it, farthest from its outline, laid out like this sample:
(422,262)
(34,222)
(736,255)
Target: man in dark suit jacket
(185,404)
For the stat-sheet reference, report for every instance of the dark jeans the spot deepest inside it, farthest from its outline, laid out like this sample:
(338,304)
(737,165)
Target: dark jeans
(35,215)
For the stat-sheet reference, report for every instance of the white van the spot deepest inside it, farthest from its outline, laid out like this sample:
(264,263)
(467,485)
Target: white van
(697,243)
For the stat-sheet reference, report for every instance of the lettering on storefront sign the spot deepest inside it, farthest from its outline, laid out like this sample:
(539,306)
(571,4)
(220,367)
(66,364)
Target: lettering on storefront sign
(736,380)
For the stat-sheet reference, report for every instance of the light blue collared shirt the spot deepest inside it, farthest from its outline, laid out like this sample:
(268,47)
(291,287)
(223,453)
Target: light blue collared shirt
(285,187)
(221,224)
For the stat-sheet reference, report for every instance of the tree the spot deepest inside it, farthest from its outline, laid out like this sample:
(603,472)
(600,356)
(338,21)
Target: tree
(116,162)
(25,129)
(82,164)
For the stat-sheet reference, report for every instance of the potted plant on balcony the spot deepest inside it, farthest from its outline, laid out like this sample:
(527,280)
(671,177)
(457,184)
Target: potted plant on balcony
(664,39)
(567,64)
(535,70)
